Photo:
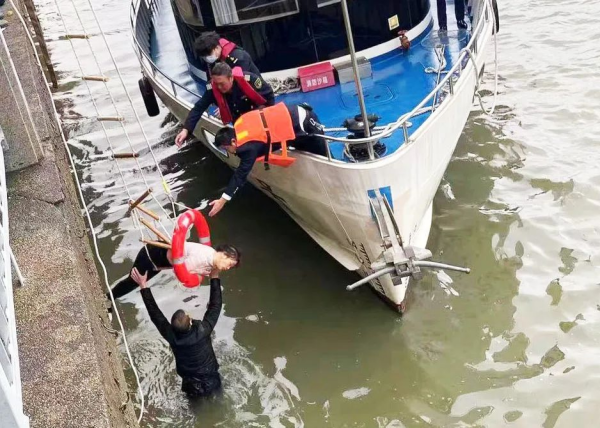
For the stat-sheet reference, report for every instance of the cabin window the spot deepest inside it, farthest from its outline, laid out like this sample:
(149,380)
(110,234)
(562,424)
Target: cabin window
(230,12)
(189,10)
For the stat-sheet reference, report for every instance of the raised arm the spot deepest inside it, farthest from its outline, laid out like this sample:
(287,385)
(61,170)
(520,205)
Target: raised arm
(215,304)
(157,317)
(160,321)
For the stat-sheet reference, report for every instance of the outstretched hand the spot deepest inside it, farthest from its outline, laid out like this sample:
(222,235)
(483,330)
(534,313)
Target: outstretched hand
(217,205)
(141,280)
(180,139)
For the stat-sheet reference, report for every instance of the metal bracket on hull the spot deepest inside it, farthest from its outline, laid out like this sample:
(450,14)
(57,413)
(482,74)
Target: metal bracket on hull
(396,259)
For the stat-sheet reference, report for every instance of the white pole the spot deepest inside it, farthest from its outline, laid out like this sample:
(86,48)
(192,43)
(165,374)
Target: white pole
(13,259)
(359,90)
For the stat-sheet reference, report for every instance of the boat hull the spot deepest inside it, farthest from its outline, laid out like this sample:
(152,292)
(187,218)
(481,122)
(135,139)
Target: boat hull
(330,199)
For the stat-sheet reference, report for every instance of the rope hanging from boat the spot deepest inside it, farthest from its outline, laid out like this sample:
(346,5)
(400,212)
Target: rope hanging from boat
(137,117)
(133,212)
(122,123)
(84,205)
(137,220)
(477,79)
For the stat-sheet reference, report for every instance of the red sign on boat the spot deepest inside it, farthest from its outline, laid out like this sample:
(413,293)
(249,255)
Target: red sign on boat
(316,76)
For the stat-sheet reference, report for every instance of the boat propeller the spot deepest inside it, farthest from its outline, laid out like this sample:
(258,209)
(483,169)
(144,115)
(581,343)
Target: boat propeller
(397,260)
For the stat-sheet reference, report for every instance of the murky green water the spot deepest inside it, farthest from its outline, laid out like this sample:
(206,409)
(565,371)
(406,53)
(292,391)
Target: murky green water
(519,204)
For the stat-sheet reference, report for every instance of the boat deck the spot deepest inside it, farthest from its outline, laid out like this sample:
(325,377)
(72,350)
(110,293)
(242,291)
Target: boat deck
(398,84)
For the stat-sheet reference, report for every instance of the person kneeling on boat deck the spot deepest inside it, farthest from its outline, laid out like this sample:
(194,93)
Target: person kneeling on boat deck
(189,339)
(235,92)
(199,259)
(212,48)
(256,133)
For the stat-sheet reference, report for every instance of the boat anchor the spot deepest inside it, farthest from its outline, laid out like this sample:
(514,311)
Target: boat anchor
(398,260)
(408,266)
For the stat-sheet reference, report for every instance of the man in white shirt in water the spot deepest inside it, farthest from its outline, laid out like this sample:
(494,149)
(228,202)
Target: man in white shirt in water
(199,259)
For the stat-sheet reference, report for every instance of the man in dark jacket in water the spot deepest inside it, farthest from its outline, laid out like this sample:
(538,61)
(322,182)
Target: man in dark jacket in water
(189,339)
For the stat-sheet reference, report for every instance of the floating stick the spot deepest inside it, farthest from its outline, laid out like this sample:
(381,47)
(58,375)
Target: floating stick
(77,36)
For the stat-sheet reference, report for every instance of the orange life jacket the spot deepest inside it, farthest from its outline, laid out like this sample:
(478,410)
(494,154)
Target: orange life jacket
(247,89)
(268,125)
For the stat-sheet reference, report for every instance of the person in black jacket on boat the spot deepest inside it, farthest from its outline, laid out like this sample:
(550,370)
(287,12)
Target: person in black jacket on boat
(306,129)
(213,48)
(234,91)
(189,339)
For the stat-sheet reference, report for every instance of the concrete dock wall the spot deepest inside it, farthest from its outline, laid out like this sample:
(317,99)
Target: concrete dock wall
(71,369)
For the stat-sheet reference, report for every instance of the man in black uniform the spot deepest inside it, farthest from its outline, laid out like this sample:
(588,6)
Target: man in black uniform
(212,48)
(189,339)
(306,128)
(237,99)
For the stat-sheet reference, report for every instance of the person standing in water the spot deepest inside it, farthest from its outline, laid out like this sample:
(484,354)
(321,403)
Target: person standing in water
(189,338)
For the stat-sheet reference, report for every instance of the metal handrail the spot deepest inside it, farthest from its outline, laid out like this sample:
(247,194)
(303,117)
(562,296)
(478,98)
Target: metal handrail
(456,67)
(142,55)
(485,13)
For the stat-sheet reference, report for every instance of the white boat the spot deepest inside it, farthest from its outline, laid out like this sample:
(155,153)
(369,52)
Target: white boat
(369,203)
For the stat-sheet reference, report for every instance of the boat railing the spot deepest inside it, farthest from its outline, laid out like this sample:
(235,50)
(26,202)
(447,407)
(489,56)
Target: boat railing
(11,398)
(141,15)
(452,75)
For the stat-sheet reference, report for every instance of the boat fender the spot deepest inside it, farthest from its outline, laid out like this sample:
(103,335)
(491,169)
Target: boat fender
(184,222)
(496,16)
(149,97)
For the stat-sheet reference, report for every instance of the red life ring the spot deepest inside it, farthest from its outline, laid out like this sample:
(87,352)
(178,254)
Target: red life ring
(184,222)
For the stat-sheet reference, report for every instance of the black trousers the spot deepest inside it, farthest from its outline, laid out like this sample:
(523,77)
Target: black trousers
(459,11)
(201,386)
(311,143)
(149,260)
